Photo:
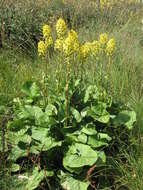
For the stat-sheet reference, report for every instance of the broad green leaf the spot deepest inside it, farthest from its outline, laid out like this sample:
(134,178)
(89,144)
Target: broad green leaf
(99,109)
(36,177)
(76,115)
(16,153)
(94,142)
(84,113)
(51,110)
(91,91)
(46,142)
(76,136)
(104,118)
(89,129)
(79,155)
(36,114)
(39,133)
(45,121)
(68,182)
(126,118)
(82,138)
(16,137)
(34,149)
(14,168)
(104,136)
(99,113)
(15,125)
(30,112)
(31,89)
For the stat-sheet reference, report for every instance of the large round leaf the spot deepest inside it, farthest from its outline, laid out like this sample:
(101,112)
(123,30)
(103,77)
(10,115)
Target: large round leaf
(80,155)
(68,182)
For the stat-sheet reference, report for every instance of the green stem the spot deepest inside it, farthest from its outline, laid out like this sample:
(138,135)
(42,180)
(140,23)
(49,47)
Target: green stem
(46,73)
(67,90)
(108,71)
(60,72)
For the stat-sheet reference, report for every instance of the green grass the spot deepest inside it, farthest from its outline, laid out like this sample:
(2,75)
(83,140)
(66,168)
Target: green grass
(15,69)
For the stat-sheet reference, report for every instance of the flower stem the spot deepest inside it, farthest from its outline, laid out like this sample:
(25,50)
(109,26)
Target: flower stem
(67,90)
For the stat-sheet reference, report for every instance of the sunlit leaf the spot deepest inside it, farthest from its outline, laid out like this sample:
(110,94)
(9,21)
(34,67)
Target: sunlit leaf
(68,182)
(79,155)
(76,114)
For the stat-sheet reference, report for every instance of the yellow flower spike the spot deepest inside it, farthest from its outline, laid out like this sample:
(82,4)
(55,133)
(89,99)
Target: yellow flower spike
(71,43)
(85,50)
(103,39)
(49,41)
(41,48)
(59,44)
(103,4)
(73,34)
(67,46)
(96,48)
(74,38)
(61,28)
(110,47)
(46,31)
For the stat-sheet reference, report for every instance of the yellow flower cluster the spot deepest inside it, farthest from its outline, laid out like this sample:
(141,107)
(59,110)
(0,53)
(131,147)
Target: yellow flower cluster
(47,34)
(47,42)
(59,44)
(103,39)
(41,48)
(103,4)
(71,43)
(110,47)
(97,47)
(85,50)
(46,31)
(61,28)
(68,43)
